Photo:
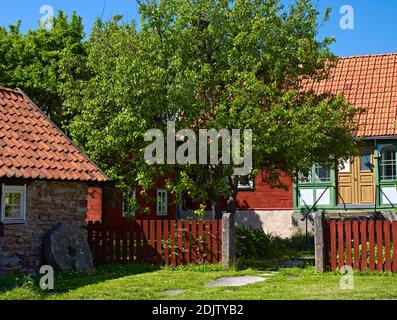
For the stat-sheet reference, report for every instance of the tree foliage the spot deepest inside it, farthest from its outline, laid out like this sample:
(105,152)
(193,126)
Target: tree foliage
(45,63)
(211,64)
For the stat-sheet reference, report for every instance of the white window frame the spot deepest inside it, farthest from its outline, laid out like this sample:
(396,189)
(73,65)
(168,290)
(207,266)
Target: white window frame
(124,212)
(164,212)
(15,189)
(246,187)
(345,166)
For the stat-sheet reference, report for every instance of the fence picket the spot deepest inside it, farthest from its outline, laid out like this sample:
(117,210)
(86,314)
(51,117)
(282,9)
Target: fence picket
(214,228)
(208,241)
(333,244)
(173,243)
(193,255)
(145,238)
(131,243)
(386,230)
(371,236)
(348,243)
(139,241)
(180,244)
(201,240)
(379,245)
(356,241)
(186,243)
(156,241)
(394,234)
(363,231)
(152,244)
(166,243)
(159,244)
(117,241)
(341,244)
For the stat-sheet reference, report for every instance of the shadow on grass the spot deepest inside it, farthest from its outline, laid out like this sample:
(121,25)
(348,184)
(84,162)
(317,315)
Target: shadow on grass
(66,282)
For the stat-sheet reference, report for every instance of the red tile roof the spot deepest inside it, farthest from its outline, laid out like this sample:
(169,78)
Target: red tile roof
(32,147)
(368,82)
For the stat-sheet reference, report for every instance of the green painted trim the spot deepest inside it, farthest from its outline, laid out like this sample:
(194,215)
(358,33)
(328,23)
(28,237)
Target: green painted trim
(315,186)
(333,195)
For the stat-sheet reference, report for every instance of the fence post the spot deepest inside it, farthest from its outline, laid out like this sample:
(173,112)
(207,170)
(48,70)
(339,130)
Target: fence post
(319,252)
(228,239)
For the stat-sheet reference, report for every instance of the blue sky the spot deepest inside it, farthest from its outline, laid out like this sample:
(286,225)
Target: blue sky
(375,22)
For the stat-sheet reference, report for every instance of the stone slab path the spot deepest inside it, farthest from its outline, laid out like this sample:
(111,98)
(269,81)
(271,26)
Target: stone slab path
(234,281)
(173,292)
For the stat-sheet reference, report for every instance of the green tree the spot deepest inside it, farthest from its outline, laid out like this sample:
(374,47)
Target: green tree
(212,64)
(42,62)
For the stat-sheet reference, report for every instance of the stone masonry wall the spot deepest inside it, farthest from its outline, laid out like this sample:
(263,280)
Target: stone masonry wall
(21,245)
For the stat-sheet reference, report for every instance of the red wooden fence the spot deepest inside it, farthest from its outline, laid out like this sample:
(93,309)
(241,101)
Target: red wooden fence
(363,244)
(160,242)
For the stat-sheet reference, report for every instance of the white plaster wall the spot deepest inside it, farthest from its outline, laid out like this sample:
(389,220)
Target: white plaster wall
(275,222)
(278,222)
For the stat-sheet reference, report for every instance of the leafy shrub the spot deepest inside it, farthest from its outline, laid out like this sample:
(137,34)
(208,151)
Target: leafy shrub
(255,243)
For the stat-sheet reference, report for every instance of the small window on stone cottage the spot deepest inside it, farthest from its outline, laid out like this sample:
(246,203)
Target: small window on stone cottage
(13,204)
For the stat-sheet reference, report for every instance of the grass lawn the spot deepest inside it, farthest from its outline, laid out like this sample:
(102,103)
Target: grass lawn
(149,282)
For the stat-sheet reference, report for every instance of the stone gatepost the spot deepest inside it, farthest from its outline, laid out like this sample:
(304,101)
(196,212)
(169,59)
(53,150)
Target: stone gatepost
(228,239)
(319,251)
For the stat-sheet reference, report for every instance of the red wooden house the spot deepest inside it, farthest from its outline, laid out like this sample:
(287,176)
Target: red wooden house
(363,185)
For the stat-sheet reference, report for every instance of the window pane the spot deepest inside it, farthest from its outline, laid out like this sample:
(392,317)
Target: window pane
(321,173)
(161,201)
(388,164)
(365,161)
(13,198)
(305,177)
(8,198)
(344,167)
(13,211)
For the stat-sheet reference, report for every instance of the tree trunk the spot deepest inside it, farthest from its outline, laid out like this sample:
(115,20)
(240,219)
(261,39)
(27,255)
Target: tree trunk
(216,207)
(231,201)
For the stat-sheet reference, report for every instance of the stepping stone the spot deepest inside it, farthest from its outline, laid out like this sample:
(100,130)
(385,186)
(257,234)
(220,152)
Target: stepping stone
(294,277)
(267,274)
(173,292)
(234,281)
(290,264)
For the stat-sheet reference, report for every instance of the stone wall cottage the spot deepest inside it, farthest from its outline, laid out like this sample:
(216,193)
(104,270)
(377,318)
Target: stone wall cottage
(44,179)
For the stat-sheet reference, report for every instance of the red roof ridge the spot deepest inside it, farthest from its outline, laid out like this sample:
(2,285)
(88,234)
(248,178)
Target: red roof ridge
(368,55)
(9,89)
(367,82)
(19,90)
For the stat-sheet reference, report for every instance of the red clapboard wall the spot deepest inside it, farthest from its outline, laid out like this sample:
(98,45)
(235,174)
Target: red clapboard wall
(94,204)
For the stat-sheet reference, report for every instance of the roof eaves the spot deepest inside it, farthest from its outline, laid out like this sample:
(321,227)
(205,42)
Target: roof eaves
(105,176)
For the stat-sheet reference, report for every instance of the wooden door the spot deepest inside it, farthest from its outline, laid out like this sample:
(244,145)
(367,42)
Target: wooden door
(346,183)
(356,180)
(365,178)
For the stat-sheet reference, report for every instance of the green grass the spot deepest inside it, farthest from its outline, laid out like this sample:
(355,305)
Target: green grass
(149,282)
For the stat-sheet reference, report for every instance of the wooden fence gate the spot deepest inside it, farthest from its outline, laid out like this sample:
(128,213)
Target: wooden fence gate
(160,242)
(362,243)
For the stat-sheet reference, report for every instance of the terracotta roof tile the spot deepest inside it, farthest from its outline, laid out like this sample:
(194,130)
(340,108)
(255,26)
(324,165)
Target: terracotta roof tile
(368,82)
(31,146)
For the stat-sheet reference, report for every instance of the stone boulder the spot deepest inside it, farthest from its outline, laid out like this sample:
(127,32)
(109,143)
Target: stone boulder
(66,248)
